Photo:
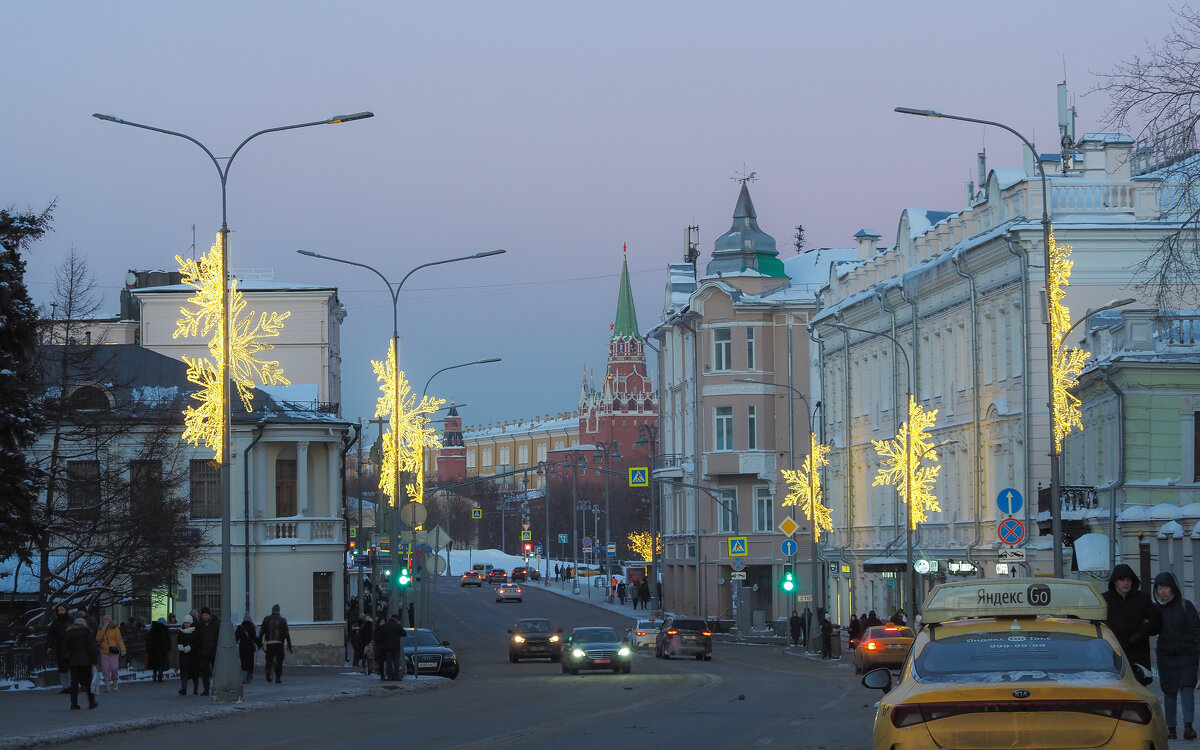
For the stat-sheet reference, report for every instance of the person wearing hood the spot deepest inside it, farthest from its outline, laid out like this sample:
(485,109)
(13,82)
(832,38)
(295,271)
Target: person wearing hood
(1178,651)
(1132,616)
(188,657)
(248,642)
(826,637)
(83,653)
(56,643)
(158,648)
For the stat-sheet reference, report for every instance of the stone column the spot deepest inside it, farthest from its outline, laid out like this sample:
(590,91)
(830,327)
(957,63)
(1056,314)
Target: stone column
(303,499)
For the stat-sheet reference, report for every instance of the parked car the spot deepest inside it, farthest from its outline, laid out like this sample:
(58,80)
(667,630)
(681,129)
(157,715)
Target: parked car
(524,573)
(509,592)
(596,648)
(471,578)
(534,638)
(643,633)
(423,650)
(682,636)
(497,575)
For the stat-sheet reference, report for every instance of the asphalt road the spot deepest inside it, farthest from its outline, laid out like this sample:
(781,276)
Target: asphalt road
(747,697)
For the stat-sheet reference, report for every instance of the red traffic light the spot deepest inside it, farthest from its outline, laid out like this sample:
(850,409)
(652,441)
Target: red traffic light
(528,547)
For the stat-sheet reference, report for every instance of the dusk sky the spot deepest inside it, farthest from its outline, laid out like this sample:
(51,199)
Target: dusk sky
(556,130)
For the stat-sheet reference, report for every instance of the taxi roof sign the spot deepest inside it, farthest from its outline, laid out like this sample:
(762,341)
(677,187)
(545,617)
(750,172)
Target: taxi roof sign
(1014,597)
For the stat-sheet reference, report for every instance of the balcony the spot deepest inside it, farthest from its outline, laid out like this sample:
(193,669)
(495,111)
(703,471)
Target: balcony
(727,463)
(668,466)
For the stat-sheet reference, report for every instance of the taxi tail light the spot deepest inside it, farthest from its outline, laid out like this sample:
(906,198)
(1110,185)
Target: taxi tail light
(872,646)
(672,631)
(911,714)
(706,633)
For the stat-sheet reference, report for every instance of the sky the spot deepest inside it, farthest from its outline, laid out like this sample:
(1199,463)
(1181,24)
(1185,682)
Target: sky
(558,131)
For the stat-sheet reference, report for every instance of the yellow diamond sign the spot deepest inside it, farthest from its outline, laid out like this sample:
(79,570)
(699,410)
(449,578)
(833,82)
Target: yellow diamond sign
(788,526)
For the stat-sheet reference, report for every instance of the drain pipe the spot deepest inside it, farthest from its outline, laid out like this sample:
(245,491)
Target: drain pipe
(258,433)
(1030,491)
(976,504)
(849,417)
(1120,483)
(897,410)
(817,549)
(346,446)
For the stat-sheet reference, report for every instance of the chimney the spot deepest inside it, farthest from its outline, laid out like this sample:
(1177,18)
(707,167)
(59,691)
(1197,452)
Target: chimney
(981,168)
(867,243)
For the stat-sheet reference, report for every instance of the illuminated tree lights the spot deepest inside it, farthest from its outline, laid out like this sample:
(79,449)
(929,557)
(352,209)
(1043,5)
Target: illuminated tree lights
(903,463)
(206,423)
(806,488)
(1068,362)
(409,423)
(639,542)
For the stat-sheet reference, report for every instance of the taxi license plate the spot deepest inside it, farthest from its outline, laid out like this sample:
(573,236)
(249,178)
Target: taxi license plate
(895,646)
(602,661)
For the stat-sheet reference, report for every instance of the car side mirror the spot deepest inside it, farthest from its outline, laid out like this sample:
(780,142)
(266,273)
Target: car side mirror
(445,643)
(1141,675)
(878,679)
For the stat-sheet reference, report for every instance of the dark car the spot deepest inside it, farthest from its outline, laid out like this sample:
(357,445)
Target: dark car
(471,578)
(423,650)
(520,574)
(534,638)
(596,648)
(681,636)
(497,575)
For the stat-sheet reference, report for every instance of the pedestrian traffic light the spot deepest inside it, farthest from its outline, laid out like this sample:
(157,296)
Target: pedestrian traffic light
(788,583)
(404,578)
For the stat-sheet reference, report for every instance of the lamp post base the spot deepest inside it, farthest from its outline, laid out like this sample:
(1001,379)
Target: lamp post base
(227,678)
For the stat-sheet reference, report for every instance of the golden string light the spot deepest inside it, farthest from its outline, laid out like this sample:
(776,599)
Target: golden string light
(1068,361)
(904,467)
(206,423)
(639,542)
(806,488)
(409,423)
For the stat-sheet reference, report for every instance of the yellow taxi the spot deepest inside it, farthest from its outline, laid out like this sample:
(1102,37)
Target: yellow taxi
(1016,663)
(882,646)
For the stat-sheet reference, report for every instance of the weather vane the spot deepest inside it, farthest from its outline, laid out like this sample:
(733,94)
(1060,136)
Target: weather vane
(743,177)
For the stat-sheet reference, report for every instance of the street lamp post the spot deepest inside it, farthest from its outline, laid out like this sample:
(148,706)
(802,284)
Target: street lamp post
(543,470)
(394,291)
(227,687)
(648,438)
(576,463)
(607,451)
(910,583)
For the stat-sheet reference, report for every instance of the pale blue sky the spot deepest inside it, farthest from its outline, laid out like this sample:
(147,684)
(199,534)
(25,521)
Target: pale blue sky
(556,130)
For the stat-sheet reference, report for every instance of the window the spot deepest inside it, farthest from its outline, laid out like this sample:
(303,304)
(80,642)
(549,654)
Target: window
(487,457)
(505,456)
(206,592)
(764,509)
(749,348)
(727,511)
(322,596)
(285,487)
(470,459)
(145,486)
(523,455)
(205,490)
(722,349)
(751,428)
(83,487)
(723,429)
(541,452)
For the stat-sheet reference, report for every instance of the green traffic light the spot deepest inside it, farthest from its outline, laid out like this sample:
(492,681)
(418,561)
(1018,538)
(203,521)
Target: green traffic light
(404,577)
(789,582)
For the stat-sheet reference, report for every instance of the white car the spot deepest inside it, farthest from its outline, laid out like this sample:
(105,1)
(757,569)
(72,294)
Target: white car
(509,592)
(643,633)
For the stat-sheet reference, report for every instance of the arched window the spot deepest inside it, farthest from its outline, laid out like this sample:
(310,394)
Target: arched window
(89,398)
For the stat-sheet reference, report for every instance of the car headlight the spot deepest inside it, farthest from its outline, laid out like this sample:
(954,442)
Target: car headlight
(554,639)
(578,653)
(518,639)
(623,652)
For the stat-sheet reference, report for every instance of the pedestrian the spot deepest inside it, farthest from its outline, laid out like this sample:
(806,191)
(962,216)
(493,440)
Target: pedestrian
(393,646)
(377,644)
(806,619)
(1178,651)
(622,592)
(353,628)
(248,642)
(795,627)
(112,646)
(275,636)
(158,647)
(171,619)
(826,637)
(873,619)
(207,637)
(364,640)
(644,594)
(83,653)
(185,645)
(854,630)
(1132,616)
(56,644)
(556,572)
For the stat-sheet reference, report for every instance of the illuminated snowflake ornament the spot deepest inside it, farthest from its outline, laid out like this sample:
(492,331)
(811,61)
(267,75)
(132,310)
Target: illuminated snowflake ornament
(410,423)
(205,423)
(806,488)
(904,467)
(1068,361)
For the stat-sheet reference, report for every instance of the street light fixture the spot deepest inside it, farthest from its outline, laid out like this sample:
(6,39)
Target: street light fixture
(227,687)
(607,451)
(648,438)
(394,291)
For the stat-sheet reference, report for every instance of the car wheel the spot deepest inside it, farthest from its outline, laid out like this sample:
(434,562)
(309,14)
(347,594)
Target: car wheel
(453,674)
(512,657)
(699,657)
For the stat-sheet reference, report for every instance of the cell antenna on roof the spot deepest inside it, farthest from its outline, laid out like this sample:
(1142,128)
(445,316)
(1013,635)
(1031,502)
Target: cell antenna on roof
(193,241)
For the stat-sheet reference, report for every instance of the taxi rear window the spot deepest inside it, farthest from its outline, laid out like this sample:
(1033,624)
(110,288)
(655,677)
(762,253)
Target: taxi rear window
(1006,655)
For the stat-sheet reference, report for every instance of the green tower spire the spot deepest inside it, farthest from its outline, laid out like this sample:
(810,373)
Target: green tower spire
(626,324)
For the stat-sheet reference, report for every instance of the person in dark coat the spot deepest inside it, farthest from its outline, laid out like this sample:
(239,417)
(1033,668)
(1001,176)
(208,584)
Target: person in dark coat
(1178,651)
(854,630)
(275,636)
(56,643)
(353,628)
(795,627)
(207,633)
(622,592)
(83,653)
(186,646)
(826,637)
(1132,615)
(873,619)
(377,644)
(248,642)
(158,648)
(393,647)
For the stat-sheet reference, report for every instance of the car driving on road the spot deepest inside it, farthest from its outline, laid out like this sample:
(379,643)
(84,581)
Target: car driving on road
(509,592)
(497,575)
(596,648)
(534,638)
(471,578)
(882,646)
(643,633)
(682,636)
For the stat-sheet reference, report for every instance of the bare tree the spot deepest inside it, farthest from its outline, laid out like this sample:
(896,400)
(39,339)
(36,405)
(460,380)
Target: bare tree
(1158,95)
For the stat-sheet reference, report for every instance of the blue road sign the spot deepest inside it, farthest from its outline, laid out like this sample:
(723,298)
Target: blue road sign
(788,547)
(1011,531)
(1010,501)
(612,549)
(639,476)
(537,550)
(737,563)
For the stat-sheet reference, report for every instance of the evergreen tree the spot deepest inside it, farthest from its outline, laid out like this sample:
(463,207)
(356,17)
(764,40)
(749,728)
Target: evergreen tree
(19,414)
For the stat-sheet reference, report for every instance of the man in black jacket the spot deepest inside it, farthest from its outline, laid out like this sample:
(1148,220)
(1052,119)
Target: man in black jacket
(207,630)
(1132,616)
(275,636)
(56,644)
(393,646)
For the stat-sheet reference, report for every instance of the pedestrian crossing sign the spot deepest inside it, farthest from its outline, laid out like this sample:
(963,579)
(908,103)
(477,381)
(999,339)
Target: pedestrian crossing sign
(477,513)
(526,536)
(639,476)
(738,546)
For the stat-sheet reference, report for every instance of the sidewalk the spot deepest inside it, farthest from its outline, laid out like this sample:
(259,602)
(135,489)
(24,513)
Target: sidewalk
(42,717)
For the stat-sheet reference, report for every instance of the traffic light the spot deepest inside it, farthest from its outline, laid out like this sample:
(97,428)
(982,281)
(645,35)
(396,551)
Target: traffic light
(404,578)
(788,583)
(528,547)
(353,551)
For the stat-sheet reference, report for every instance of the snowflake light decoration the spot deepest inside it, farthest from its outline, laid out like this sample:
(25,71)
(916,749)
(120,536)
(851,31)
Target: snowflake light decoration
(806,488)
(409,423)
(206,423)
(1068,361)
(904,465)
